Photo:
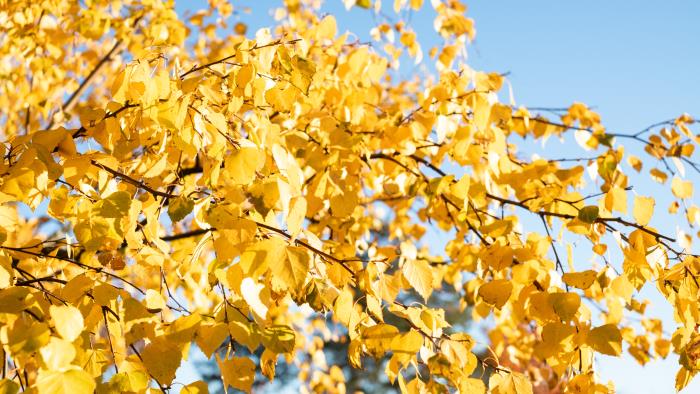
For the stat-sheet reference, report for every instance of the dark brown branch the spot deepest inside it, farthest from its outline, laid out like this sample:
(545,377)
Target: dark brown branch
(109,338)
(74,262)
(132,181)
(189,234)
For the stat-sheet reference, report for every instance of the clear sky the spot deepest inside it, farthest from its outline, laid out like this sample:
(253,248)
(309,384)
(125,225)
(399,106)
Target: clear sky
(636,62)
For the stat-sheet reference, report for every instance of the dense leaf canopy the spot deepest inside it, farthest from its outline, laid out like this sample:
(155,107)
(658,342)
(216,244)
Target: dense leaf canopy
(173,181)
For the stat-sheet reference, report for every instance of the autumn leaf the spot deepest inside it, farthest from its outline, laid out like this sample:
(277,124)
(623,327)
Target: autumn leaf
(496,292)
(588,214)
(581,280)
(68,320)
(420,276)
(237,372)
(606,339)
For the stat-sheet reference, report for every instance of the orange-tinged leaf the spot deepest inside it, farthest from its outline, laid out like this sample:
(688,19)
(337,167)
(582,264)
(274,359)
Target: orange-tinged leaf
(210,337)
(162,359)
(565,304)
(658,175)
(600,249)
(237,372)
(580,280)
(496,292)
(198,387)
(606,339)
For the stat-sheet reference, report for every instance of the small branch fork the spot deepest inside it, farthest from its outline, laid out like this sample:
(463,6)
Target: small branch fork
(70,102)
(229,57)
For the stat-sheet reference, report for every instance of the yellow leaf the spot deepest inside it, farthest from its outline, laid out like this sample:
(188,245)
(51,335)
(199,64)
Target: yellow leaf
(496,292)
(268,363)
(251,290)
(377,339)
(343,307)
(327,28)
(460,189)
(131,381)
(580,280)
(68,321)
(58,354)
(8,386)
(28,336)
(509,383)
(154,301)
(72,381)
(162,358)
(179,208)
(102,227)
(683,377)
(237,372)
(606,339)
(472,385)
(295,218)
(681,188)
(343,205)
(264,254)
(198,387)
(242,164)
(643,209)
(6,271)
(12,299)
(355,353)
(279,339)
(409,342)
(293,270)
(565,304)
(210,337)
(419,274)
(616,199)
(557,338)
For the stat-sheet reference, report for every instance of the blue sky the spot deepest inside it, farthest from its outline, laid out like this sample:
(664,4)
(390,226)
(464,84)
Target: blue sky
(637,63)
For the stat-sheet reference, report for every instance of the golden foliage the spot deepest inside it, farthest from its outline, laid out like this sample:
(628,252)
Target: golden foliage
(191,185)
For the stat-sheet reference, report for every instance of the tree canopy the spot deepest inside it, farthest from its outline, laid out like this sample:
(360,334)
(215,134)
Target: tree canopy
(172,181)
